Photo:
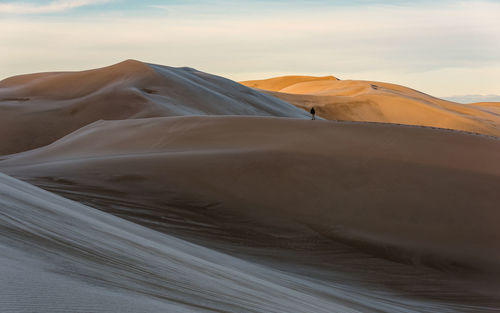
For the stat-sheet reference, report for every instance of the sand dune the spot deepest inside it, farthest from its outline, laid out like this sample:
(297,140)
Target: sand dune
(61,256)
(279,83)
(37,109)
(262,212)
(371,101)
(426,192)
(490,107)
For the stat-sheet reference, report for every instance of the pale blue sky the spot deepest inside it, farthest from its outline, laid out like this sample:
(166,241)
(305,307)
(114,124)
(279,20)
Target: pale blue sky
(444,48)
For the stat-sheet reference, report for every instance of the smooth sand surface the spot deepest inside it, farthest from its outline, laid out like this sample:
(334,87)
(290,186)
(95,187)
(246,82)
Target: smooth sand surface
(279,83)
(37,109)
(431,192)
(371,101)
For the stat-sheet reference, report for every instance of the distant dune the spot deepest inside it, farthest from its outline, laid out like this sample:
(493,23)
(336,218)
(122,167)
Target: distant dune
(371,101)
(280,83)
(37,109)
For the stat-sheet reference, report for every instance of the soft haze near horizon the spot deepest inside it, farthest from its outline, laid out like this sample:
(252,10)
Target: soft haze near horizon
(444,48)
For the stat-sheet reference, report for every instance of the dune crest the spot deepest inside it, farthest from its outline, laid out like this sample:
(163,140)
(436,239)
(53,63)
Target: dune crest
(371,101)
(37,109)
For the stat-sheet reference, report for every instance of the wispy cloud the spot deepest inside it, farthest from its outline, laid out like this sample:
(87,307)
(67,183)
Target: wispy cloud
(441,49)
(51,7)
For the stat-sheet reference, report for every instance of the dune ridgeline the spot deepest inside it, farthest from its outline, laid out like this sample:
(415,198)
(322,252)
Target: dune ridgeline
(370,101)
(189,192)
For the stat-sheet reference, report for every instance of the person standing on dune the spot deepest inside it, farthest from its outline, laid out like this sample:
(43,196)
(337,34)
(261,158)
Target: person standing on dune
(313,112)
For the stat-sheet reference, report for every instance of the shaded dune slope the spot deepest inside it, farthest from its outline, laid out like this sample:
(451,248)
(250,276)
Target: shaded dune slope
(37,109)
(62,256)
(379,102)
(427,193)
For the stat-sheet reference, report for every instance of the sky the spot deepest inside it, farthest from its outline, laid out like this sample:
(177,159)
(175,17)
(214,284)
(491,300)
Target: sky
(444,48)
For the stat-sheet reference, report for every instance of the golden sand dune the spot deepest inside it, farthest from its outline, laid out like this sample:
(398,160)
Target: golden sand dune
(491,107)
(37,109)
(379,102)
(279,83)
(426,192)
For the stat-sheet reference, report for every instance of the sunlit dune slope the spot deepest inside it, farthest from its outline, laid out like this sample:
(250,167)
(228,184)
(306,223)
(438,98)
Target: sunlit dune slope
(279,83)
(426,192)
(378,102)
(491,107)
(37,109)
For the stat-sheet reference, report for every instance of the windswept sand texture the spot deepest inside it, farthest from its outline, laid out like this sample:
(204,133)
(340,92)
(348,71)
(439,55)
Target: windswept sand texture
(370,101)
(62,256)
(200,194)
(37,109)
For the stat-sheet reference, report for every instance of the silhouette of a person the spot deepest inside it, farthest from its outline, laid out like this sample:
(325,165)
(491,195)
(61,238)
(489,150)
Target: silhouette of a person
(313,112)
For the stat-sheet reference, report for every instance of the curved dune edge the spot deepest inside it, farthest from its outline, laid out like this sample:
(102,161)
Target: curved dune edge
(372,101)
(37,109)
(429,192)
